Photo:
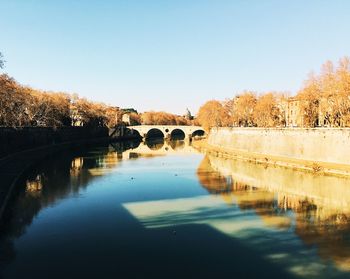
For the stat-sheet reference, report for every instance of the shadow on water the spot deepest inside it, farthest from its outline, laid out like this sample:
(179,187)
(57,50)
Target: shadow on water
(257,222)
(140,253)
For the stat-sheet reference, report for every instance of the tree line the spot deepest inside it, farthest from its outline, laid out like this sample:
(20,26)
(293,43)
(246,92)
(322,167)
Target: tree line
(164,118)
(327,94)
(323,100)
(24,106)
(245,110)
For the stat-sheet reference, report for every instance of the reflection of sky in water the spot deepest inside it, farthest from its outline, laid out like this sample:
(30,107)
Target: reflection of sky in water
(269,236)
(109,205)
(210,210)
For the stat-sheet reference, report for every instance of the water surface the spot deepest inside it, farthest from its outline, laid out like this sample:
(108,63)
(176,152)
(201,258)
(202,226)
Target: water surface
(164,210)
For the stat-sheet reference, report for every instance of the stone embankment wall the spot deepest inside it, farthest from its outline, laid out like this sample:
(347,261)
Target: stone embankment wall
(22,147)
(315,145)
(18,139)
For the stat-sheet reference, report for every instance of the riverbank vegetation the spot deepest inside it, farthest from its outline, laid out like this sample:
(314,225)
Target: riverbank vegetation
(164,118)
(245,110)
(323,100)
(22,106)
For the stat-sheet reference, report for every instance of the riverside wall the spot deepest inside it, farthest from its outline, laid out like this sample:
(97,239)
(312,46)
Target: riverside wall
(20,148)
(312,145)
(18,139)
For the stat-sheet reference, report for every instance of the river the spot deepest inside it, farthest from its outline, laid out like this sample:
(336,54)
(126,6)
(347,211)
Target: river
(166,210)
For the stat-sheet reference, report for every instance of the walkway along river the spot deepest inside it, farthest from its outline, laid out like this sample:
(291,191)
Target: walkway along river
(165,210)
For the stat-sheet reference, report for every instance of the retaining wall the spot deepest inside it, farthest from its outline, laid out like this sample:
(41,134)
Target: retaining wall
(18,139)
(319,144)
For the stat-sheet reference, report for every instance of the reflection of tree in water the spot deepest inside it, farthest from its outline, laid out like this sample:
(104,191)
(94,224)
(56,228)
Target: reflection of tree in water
(331,234)
(176,144)
(67,173)
(319,225)
(212,180)
(245,196)
(155,144)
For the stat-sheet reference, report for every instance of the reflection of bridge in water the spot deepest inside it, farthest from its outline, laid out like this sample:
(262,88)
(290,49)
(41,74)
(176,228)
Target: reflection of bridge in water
(159,147)
(168,131)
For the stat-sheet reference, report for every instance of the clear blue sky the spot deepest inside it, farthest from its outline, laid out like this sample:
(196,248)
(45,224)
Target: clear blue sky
(169,55)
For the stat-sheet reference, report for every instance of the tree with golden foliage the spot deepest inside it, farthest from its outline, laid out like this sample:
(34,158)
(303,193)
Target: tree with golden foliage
(343,90)
(91,114)
(228,105)
(243,109)
(23,106)
(8,94)
(112,116)
(323,100)
(309,98)
(327,95)
(163,118)
(47,109)
(266,111)
(15,102)
(213,114)
(336,85)
(135,118)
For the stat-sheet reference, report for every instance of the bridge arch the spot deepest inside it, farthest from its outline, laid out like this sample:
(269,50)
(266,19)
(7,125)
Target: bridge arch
(133,132)
(167,131)
(154,133)
(177,134)
(198,133)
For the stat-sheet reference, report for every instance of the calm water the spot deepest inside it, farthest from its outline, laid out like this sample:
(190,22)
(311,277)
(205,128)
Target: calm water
(164,210)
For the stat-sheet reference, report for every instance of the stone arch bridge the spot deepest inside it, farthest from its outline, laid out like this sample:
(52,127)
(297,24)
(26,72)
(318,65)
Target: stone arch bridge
(167,131)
